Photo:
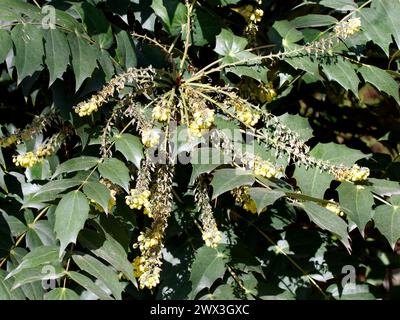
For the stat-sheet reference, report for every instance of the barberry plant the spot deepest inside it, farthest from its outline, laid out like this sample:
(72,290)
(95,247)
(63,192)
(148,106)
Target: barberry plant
(224,149)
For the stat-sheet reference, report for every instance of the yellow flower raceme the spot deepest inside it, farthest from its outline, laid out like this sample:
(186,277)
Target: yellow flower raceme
(139,199)
(150,138)
(27,160)
(353,174)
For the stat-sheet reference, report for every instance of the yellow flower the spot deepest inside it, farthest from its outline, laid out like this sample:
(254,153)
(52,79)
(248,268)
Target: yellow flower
(150,138)
(266,169)
(250,205)
(212,237)
(161,113)
(27,160)
(355,173)
(139,199)
(347,28)
(9,141)
(202,120)
(86,108)
(256,15)
(248,118)
(333,207)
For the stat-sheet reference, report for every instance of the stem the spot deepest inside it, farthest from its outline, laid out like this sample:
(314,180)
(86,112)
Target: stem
(188,31)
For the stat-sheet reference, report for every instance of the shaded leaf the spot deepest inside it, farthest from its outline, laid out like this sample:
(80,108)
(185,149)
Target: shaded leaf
(115,171)
(327,220)
(208,266)
(131,147)
(227,179)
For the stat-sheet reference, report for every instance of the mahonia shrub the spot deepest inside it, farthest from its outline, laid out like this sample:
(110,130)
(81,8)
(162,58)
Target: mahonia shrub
(221,149)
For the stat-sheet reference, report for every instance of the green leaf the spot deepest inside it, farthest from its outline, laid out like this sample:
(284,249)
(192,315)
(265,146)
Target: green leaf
(387,221)
(342,5)
(108,249)
(37,257)
(61,294)
(39,273)
(337,153)
(327,220)
(70,217)
(88,284)
(51,189)
(172,13)
(99,193)
(298,124)
(288,32)
(312,181)
(381,80)
(57,53)
(264,197)
(233,47)
(97,25)
(384,187)
(126,50)
(84,58)
(76,164)
(357,202)
(380,22)
(115,171)
(131,147)
(17,227)
(40,233)
(100,271)
(313,20)
(5,44)
(227,179)
(205,27)
(29,50)
(208,266)
(342,71)
(5,289)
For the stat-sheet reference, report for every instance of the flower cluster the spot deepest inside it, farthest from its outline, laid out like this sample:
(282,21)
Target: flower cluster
(27,160)
(139,199)
(116,84)
(347,28)
(150,137)
(243,198)
(202,119)
(355,173)
(266,169)
(147,267)
(209,229)
(161,111)
(150,243)
(9,141)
